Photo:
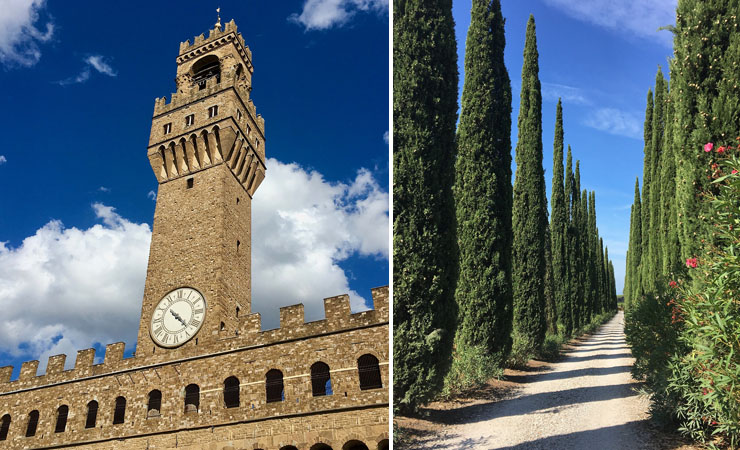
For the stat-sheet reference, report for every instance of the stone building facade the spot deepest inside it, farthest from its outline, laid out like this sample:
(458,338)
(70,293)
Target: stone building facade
(204,375)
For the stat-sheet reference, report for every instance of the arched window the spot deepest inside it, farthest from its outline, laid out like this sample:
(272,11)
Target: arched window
(33,423)
(320,446)
(62,413)
(92,414)
(289,447)
(274,386)
(192,398)
(320,379)
(205,69)
(119,411)
(154,406)
(4,427)
(231,392)
(354,445)
(369,371)
(383,445)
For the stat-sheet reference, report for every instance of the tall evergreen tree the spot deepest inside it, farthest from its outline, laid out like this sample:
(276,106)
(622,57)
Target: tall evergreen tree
(483,191)
(424,242)
(585,258)
(571,271)
(575,249)
(529,220)
(603,258)
(705,81)
(559,228)
(657,160)
(669,221)
(635,247)
(647,173)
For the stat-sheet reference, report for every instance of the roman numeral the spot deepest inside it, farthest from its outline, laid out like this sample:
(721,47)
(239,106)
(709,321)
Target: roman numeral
(195,322)
(198,311)
(175,337)
(179,294)
(157,331)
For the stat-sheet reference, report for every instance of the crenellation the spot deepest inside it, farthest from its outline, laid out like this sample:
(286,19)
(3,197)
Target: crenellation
(114,353)
(380,301)
(29,369)
(55,365)
(291,317)
(84,361)
(5,373)
(337,310)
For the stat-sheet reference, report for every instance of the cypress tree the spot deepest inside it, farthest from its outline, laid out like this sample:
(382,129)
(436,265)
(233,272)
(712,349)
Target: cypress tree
(657,160)
(612,288)
(424,243)
(569,265)
(578,266)
(559,228)
(529,220)
(635,246)
(603,258)
(585,258)
(668,222)
(594,259)
(483,191)
(647,173)
(705,80)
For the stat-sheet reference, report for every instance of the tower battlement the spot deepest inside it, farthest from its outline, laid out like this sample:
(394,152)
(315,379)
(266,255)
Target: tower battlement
(246,334)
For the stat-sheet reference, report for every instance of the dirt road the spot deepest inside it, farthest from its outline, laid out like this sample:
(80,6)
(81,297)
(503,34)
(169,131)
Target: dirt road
(584,402)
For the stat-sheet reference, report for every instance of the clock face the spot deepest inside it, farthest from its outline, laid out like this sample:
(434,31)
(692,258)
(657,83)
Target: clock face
(178,317)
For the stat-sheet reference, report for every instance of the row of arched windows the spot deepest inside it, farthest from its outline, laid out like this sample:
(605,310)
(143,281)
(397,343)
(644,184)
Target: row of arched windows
(367,367)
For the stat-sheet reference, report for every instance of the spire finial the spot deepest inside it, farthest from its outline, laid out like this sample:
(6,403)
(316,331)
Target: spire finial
(218,14)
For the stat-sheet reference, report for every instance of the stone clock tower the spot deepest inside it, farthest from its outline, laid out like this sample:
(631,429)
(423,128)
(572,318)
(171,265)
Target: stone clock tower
(207,150)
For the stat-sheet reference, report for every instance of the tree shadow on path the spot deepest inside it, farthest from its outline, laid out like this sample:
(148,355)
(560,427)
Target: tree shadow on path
(561,375)
(530,403)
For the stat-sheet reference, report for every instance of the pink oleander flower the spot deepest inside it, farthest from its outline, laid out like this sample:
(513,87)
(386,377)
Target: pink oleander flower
(721,149)
(708,147)
(734,171)
(692,262)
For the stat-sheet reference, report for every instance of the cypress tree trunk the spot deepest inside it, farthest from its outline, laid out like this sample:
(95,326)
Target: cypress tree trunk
(657,160)
(424,243)
(705,79)
(559,229)
(647,174)
(483,191)
(529,220)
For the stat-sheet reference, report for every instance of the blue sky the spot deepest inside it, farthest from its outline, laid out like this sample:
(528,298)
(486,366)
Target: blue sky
(601,57)
(77,191)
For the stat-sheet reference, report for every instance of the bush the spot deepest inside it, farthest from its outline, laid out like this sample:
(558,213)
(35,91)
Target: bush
(654,338)
(550,350)
(707,376)
(471,367)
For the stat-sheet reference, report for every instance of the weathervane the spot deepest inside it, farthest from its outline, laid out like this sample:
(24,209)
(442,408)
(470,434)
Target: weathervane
(218,14)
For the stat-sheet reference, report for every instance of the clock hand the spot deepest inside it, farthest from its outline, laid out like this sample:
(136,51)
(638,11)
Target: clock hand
(177,316)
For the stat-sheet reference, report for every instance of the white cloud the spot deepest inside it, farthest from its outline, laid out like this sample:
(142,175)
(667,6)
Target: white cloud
(96,62)
(152,195)
(3,159)
(324,14)
(19,34)
(303,226)
(65,289)
(103,189)
(641,18)
(614,121)
(569,94)
(386,138)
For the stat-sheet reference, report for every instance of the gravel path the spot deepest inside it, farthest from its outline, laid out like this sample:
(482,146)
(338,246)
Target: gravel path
(584,402)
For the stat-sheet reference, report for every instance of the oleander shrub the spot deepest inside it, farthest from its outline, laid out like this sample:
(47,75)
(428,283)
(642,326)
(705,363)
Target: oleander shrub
(706,378)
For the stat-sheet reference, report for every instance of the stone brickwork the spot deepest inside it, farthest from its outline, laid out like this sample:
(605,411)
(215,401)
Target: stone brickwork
(207,150)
